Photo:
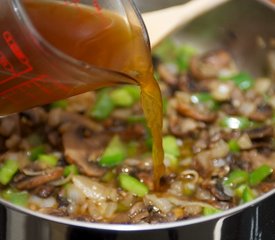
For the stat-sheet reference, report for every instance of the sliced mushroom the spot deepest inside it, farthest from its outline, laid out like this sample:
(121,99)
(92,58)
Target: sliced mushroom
(187,84)
(138,212)
(185,107)
(261,132)
(189,111)
(34,116)
(49,175)
(9,125)
(167,75)
(210,65)
(81,103)
(58,117)
(59,212)
(256,159)
(84,152)
(262,113)
(44,191)
(218,191)
(204,160)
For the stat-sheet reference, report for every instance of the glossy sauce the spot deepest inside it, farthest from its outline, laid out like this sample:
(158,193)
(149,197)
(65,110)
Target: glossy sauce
(105,40)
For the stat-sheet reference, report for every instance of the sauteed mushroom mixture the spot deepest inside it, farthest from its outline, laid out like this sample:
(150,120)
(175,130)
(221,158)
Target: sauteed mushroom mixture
(88,157)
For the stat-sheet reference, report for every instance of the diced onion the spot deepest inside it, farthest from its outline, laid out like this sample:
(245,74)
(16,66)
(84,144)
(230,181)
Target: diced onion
(94,190)
(161,203)
(244,142)
(43,203)
(74,194)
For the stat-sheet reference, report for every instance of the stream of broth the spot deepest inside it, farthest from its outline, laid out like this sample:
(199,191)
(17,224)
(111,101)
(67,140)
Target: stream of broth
(105,40)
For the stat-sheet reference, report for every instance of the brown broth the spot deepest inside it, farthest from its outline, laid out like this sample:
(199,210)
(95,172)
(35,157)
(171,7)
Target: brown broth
(105,40)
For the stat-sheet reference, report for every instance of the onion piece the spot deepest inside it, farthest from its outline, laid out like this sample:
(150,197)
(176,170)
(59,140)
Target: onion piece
(184,203)
(43,203)
(74,194)
(62,181)
(94,190)
(161,203)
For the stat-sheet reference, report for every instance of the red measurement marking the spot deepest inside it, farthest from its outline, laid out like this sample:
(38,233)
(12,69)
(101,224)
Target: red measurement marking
(21,85)
(96,5)
(30,87)
(61,86)
(15,48)
(18,53)
(4,62)
(16,75)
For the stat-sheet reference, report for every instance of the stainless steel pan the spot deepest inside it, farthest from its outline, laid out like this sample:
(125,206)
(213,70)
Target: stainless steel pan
(247,29)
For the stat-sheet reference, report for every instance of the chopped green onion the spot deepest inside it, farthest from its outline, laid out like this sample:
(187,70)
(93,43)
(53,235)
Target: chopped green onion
(248,195)
(236,178)
(189,188)
(210,211)
(122,98)
(239,190)
(132,149)
(166,51)
(259,175)
(171,161)
(136,119)
(156,76)
(7,171)
(63,104)
(71,169)
(35,139)
(134,91)
(36,151)
(234,146)
(114,154)
(148,138)
(149,142)
(17,198)
(241,123)
(103,106)
(133,185)
(201,97)
(108,176)
(243,80)
(204,98)
(184,54)
(49,160)
(170,146)
(165,104)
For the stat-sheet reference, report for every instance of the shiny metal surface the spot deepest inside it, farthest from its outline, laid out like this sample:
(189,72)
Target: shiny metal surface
(256,222)
(245,28)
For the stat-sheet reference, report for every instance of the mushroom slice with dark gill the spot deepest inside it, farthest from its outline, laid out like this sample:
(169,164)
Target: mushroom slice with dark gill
(57,117)
(261,132)
(46,176)
(189,111)
(219,192)
(262,113)
(84,151)
(210,65)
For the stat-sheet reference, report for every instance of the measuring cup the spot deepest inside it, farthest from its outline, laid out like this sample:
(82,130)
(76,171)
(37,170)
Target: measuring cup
(33,72)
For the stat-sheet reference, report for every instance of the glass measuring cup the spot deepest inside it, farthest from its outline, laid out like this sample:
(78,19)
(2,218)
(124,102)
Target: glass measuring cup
(34,72)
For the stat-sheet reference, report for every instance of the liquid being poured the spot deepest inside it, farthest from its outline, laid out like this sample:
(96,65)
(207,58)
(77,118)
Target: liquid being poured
(105,40)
